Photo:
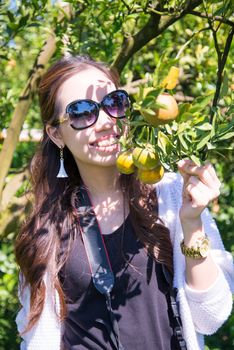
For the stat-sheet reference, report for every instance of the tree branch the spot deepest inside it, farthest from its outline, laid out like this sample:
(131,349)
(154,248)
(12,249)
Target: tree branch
(221,64)
(133,88)
(132,44)
(126,5)
(151,30)
(214,18)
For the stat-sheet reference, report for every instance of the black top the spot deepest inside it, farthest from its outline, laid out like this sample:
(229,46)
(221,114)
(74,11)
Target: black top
(138,298)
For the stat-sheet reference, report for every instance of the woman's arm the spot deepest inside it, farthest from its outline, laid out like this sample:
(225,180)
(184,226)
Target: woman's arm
(208,307)
(200,187)
(46,334)
(211,303)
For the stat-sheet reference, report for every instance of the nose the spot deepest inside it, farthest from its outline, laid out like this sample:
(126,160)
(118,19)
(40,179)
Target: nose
(104,121)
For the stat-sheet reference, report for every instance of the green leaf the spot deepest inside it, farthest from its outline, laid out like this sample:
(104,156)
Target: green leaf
(184,117)
(224,129)
(221,148)
(149,111)
(168,129)
(202,143)
(137,122)
(164,142)
(154,93)
(195,159)
(225,136)
(182,127)
(200,103)
(23,20)
(11,16)
(183,107)
(183,142)
(214,126)
(205,127)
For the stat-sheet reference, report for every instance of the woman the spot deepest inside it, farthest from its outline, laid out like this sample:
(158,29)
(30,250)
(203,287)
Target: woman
(141,227)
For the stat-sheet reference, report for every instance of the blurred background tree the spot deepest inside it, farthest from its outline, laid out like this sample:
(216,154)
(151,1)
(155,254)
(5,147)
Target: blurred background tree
(134,36)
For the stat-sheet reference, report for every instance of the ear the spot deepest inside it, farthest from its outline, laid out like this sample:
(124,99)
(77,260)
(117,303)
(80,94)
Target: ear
(55,135)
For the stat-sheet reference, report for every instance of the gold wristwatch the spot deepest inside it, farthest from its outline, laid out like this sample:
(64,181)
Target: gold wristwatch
(199,250)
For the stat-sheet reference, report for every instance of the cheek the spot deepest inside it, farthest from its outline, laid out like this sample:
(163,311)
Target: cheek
(76,141)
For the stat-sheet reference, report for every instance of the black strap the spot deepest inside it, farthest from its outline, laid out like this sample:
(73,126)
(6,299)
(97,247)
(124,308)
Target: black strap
(102,275)
(171,296)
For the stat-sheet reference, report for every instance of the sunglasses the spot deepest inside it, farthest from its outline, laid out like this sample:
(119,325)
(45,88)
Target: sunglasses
(84,113)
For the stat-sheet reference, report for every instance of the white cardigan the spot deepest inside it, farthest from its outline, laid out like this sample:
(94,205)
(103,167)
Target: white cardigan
(202,312)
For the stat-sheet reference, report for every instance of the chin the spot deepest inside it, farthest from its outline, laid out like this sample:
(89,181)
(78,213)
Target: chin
(107,160)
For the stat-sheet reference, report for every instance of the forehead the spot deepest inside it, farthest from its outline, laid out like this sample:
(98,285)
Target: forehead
(90,83)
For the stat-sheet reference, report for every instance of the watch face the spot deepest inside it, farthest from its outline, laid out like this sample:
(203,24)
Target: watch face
(204,248)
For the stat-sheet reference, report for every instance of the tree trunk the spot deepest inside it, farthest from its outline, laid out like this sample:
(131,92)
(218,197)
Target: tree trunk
(24,102)
(21,110)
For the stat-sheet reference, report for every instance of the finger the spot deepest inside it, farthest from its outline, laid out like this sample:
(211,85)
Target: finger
(182,164)
(199,192)
(212,171)
(206,173)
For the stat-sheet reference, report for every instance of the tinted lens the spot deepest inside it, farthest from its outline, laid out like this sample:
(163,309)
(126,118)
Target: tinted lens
(116,103)
(82,113)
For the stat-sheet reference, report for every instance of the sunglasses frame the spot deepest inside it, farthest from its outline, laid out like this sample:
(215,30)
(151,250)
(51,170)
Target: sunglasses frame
(99,106)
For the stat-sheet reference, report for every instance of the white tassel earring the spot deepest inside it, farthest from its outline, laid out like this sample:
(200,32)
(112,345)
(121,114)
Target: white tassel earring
(62,172)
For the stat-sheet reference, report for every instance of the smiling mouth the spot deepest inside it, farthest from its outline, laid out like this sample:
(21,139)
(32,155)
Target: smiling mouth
(106,144)
(107,149)
(106,141)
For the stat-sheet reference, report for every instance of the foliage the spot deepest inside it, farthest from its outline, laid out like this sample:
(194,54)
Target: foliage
(191,135)
(122,30)
(8,290)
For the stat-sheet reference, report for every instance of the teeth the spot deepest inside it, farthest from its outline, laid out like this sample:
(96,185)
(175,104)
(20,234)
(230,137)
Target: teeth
(105,143)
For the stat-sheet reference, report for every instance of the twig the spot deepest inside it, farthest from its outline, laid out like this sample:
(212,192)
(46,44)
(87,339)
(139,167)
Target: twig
(221,64)
(133,87)
(126,5)
(213,18)
(152,29)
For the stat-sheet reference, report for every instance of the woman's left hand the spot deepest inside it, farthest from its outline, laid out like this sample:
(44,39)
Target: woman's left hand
(201,186)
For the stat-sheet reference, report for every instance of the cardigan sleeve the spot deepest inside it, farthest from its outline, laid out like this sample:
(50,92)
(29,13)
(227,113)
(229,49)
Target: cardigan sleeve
(46,333)
(209,308)
(214,303)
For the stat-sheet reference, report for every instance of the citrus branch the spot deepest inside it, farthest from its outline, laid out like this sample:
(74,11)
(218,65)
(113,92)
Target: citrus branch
(213,18)
(155,26)
(222,58)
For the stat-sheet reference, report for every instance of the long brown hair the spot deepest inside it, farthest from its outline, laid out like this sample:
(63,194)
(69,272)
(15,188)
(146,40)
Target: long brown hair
(40,244)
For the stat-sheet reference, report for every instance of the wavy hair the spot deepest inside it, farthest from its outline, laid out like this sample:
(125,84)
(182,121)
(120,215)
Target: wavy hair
(44,240)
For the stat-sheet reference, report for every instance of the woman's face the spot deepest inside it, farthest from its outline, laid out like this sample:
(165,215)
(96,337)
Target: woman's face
(95,145)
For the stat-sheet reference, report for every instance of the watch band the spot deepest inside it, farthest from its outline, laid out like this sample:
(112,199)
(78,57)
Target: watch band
(199,251)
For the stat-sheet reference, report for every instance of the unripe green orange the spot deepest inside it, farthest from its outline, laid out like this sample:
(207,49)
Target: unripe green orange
(145,158)
(151,176)
(124,162)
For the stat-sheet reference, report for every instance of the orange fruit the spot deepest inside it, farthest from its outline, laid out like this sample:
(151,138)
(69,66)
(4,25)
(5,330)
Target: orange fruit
(162,115)
(145,158)
(124,162)
(151,176)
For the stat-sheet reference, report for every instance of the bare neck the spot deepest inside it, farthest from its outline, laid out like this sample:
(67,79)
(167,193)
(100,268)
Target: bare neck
(101,181)
(107,197)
